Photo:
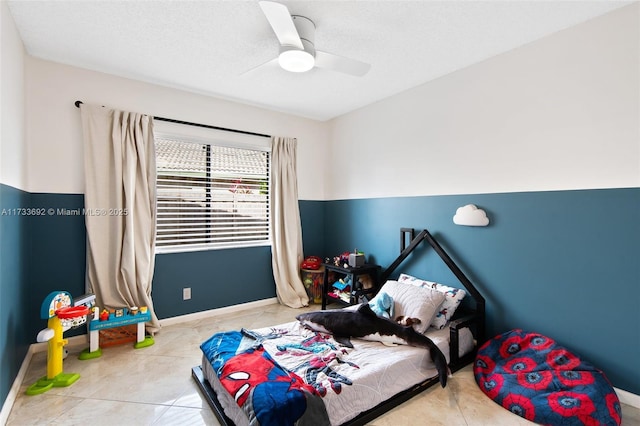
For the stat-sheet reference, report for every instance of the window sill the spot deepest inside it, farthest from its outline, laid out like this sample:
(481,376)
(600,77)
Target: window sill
(170,250)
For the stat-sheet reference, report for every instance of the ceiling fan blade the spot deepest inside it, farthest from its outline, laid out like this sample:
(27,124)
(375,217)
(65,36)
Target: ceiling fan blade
(280,19)
(270,63)
(341,64)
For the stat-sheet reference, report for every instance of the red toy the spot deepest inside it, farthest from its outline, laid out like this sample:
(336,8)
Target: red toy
(311,262)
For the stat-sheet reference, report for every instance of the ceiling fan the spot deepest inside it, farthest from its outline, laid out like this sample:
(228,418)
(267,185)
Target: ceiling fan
(297,51)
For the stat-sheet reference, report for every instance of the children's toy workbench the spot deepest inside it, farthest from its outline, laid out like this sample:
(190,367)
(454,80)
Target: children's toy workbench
(95,326)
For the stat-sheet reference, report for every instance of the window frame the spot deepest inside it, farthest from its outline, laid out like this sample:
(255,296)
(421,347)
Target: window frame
(218,139)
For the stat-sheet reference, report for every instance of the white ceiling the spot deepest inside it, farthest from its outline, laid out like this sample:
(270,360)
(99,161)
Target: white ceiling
(208,46)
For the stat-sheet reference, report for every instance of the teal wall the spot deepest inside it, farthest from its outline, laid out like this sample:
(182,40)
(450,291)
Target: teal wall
(14,338)
(562,263)
(39,254)
(217,278)
(312,215)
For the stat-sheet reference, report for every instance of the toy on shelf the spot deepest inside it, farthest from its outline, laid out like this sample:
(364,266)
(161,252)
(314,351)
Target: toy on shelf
(342,289)
(61,315)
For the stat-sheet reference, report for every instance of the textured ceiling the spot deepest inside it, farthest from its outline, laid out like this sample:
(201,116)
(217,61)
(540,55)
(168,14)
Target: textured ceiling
(208,46)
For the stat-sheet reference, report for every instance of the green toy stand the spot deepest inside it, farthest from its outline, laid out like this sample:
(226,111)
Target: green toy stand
(148,341)
(44,384)
(88,354)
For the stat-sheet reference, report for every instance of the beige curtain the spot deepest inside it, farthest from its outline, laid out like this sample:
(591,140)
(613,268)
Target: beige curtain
(286,230)
(120,207)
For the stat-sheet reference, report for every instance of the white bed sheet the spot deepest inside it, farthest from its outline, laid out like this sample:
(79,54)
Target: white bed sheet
(377,371)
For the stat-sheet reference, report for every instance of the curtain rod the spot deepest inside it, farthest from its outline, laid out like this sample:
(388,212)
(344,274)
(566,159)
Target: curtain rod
(206,126)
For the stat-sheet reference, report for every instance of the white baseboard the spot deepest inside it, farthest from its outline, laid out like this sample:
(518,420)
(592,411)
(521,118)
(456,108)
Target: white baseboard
(218,311)
(15,388)
(628,398)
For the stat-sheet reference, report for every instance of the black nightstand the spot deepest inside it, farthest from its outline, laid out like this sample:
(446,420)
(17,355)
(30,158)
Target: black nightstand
(356,287)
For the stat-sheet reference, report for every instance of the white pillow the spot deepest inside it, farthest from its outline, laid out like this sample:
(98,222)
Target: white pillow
(413,302)
(453,297)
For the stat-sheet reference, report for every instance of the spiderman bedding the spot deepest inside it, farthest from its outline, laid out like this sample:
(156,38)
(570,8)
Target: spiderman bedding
(534,377)
(267,393)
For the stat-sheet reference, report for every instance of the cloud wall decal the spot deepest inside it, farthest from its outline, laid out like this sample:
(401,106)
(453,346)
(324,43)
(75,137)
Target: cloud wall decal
(470,215)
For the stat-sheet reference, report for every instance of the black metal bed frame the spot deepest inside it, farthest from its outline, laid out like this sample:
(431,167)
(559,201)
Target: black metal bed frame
(473,318)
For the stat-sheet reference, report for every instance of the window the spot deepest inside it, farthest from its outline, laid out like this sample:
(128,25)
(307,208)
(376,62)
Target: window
(210,194)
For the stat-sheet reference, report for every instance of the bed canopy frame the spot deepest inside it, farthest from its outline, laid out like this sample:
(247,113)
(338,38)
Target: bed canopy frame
(425,236)
(474,318)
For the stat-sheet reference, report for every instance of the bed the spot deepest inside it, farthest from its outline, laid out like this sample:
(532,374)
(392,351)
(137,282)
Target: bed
(288,374)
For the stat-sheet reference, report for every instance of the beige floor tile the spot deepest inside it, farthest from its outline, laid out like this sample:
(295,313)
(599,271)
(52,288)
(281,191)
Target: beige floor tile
(477,408)
(96,412)
(183,416)
(630,415)
(41,409)
(173,341)
(435,406)
(191,398)
(152,380)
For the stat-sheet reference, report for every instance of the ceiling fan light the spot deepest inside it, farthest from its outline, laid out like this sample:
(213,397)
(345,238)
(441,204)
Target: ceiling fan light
(296,60)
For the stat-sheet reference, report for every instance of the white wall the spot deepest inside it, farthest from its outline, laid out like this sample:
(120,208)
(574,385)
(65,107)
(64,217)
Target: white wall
(54,134)
(559,113)
(12,148)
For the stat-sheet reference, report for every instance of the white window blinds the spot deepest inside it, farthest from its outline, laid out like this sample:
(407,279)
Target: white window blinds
(210,195)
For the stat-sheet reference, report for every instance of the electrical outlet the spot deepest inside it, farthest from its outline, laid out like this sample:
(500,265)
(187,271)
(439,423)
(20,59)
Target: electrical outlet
(186,293)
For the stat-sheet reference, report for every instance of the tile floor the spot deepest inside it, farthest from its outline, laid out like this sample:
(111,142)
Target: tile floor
(153,386)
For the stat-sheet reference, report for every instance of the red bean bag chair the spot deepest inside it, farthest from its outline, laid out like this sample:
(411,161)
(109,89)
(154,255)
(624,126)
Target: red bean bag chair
(532,376)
